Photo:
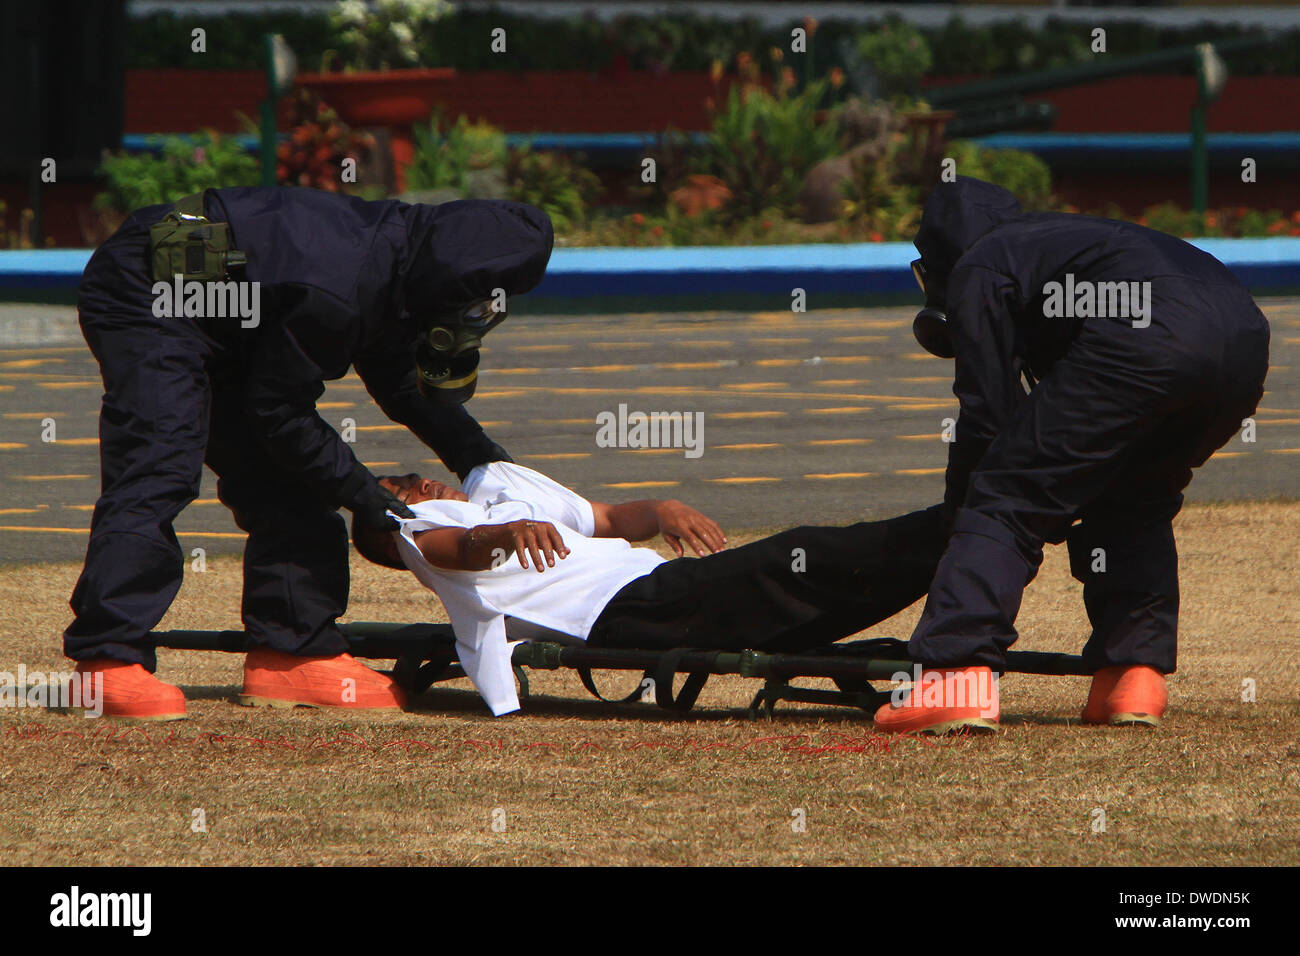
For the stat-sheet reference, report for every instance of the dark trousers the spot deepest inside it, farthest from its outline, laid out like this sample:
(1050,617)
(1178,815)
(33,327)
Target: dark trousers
(790,592)
(1098,455)
(172,400)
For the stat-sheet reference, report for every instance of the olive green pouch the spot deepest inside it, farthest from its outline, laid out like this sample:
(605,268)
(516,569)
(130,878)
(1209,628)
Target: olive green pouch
(185,243)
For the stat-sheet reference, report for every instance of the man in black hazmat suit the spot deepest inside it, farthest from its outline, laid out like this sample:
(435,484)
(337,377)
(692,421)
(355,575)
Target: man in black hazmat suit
(401,292)
(1142,356)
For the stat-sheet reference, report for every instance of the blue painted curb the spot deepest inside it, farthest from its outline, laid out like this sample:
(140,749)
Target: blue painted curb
(869,269)
(1087,145)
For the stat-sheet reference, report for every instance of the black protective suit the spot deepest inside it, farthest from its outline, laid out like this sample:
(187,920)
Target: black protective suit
(1098,452)
(344,282)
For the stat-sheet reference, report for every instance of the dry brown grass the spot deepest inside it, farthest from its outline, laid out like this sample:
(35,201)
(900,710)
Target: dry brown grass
(581,782)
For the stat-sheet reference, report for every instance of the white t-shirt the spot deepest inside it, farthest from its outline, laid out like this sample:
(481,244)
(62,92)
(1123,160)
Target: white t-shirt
(566,598)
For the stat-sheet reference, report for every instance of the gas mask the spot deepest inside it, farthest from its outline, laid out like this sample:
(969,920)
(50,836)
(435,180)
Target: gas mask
(930,327)
(447,351)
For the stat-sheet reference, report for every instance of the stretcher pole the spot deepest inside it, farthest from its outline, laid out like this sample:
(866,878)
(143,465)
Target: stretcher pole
(385,641)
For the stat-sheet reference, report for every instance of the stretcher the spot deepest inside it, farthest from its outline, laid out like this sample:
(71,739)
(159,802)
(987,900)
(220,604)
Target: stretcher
(425,654)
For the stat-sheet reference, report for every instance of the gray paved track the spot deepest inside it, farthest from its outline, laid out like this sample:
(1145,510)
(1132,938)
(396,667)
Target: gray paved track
(823,417)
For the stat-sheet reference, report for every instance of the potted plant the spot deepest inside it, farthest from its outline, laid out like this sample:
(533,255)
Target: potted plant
(381,82)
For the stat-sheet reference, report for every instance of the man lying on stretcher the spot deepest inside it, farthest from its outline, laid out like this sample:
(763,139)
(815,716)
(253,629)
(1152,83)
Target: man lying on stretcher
(516,545)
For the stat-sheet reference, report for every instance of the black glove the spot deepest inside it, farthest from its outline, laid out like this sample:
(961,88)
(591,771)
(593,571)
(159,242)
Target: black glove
(373,512)
(370,502)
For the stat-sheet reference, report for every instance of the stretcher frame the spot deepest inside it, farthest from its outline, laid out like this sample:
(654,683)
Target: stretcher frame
(425,654)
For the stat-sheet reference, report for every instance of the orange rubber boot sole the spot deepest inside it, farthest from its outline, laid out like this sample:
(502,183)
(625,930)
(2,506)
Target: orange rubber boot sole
(945,701)
(132,693)
(275,679)
(1126,696)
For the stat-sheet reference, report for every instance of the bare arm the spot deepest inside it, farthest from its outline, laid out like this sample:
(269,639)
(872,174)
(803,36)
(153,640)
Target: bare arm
(485,546)
(642,520)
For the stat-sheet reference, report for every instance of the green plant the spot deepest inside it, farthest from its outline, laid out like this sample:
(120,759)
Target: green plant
(675,228)
(678,41)
(386,34)
(445,154)
(185,165)
(895,220)
(884,196)
(1237,222)
(1021,173)
(898,54)
(20,238)
(877,201)
(317,145)
(1171,218)
(763,143)
(552,182)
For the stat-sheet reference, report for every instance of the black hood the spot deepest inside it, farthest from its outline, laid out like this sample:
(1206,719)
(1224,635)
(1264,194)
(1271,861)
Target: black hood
(461,251)
(956,216)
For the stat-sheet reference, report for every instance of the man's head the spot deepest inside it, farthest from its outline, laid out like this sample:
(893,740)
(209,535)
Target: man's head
(379,547)
(956,216)
(465,259)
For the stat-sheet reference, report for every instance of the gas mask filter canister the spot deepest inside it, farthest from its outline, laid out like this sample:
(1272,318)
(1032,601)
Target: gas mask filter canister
(447,352)
(930,327)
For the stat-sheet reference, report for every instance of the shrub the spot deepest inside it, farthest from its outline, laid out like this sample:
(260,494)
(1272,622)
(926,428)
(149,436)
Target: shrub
(1019,172)
(234,42)
(317,145)
(679,41)
(552,182)
(877,202)
(898,55)
(186,165)
(21,237)
(445,154)
(763,143)
(1236,222)
(386,34)
(885,193)
(676,228)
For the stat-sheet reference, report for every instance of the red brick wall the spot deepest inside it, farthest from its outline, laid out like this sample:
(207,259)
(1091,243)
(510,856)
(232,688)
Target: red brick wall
(1160,104)
(171,101)
(183,101)
(186,100)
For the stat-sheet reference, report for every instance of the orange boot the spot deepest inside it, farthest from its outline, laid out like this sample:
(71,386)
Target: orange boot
(945,700)
(275,679)
(132,693)
(1126,695)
